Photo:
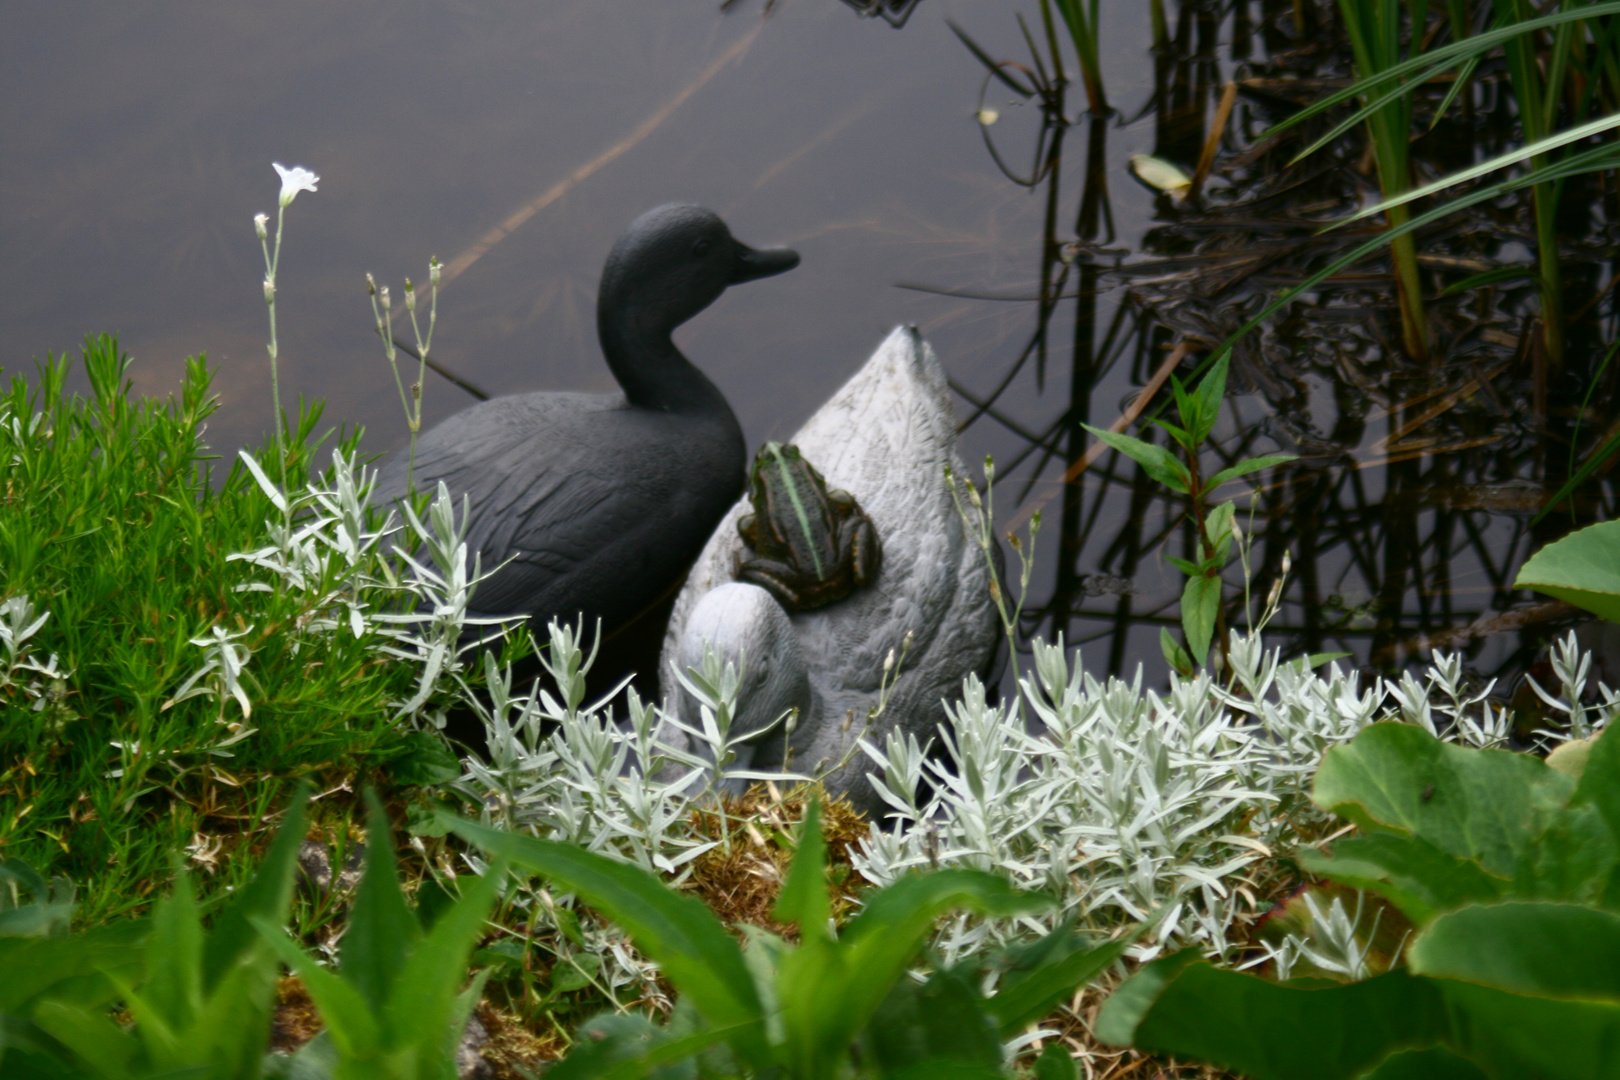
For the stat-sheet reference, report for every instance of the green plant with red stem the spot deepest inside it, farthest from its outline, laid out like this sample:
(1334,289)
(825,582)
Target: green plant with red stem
(1202,615)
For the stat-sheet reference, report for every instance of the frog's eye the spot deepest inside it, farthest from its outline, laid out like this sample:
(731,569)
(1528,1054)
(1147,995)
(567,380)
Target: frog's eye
(700,250)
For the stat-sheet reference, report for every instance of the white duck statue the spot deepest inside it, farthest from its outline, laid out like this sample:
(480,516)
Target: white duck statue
(886,439)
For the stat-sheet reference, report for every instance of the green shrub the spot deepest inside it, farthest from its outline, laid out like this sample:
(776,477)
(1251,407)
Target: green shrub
(834,1002)
(1508,870)
(149,675)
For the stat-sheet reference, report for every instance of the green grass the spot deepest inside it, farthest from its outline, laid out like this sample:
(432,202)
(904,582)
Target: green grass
(116,521)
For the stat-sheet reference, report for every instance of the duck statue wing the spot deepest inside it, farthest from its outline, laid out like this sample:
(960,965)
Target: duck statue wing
(558,487)
(886,437)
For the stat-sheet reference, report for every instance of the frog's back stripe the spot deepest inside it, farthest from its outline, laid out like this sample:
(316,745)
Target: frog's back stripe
(798,505)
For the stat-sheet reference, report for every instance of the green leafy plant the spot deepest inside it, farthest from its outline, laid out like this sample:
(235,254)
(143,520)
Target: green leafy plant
(395,1006)
(815,1009)
(1202,615)
(1508,870)
(1583,569)
(200,1000)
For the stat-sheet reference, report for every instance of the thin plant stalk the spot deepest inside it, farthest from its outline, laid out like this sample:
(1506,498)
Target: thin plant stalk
(383,309)
(1082,22)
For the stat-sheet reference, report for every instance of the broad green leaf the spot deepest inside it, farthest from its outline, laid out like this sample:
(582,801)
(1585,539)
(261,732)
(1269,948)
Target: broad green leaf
(1026,998)
(819,1021)
(881,940)
(940,1023)
(1247,466)
(95,1039)
(1158,462)
(74,968)
(1185,1006)
(803,899)
(1599,789)
(174,959)
(683,936)
(1410,872)
(1508,812)
(1056,1063)
(350,1019)
(1200,602)
(422,999)
(1174,654)
(1532,1038)
(382,927)
(1218,527)
(1562,951)
(1191,569)
(1434,1063)
(268,896)
(1211,393)
(1583,569)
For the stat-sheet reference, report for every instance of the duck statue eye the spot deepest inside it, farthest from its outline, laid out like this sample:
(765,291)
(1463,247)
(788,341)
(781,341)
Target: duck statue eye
(700,250)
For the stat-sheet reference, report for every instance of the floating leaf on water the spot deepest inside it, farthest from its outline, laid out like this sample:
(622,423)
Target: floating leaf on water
(1160,174)
(988,116)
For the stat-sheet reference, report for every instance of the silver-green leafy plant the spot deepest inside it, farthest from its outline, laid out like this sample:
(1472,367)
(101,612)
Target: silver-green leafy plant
(1125,801)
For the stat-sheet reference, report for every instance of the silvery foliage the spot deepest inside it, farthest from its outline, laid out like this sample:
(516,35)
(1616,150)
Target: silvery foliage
(1124,802)
(39,681)
(565,770)
(322,551)
(1333,941)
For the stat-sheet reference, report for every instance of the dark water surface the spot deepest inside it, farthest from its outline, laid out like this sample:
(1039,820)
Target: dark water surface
(515,140)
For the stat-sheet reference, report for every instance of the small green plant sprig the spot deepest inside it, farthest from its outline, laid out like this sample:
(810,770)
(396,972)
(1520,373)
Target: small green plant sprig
(837,1001)
(382,309)
(1202,614)
(1506,868)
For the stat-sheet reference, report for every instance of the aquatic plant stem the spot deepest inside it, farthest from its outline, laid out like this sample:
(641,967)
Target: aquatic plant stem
(1373,27)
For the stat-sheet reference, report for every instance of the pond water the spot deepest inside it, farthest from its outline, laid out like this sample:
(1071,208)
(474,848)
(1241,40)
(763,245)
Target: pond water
(514,141)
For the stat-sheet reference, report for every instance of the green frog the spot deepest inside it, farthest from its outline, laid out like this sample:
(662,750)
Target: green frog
(810,546)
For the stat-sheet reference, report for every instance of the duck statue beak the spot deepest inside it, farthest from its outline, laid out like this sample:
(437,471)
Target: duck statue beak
(752,264)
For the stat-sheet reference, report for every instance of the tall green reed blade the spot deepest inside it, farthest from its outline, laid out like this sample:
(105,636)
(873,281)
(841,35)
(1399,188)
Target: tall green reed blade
(1081,18)
(1374,28)
(1602,158)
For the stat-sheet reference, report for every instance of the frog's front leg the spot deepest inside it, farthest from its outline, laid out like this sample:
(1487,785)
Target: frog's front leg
(858,545)
(773,576)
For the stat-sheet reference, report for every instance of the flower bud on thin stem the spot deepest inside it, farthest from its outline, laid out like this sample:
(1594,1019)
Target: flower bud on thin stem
(1286,563)
(261,226)
(387,300)
(888,664)
(989,469)
(269,291)
(410,297)
(371,285)
(434,270)
(1237,533)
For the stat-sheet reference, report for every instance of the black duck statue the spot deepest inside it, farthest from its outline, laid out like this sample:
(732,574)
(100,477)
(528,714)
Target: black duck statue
(601,501)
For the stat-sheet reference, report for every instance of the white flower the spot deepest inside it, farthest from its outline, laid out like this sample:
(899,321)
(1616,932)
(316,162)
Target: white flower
(294,180)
